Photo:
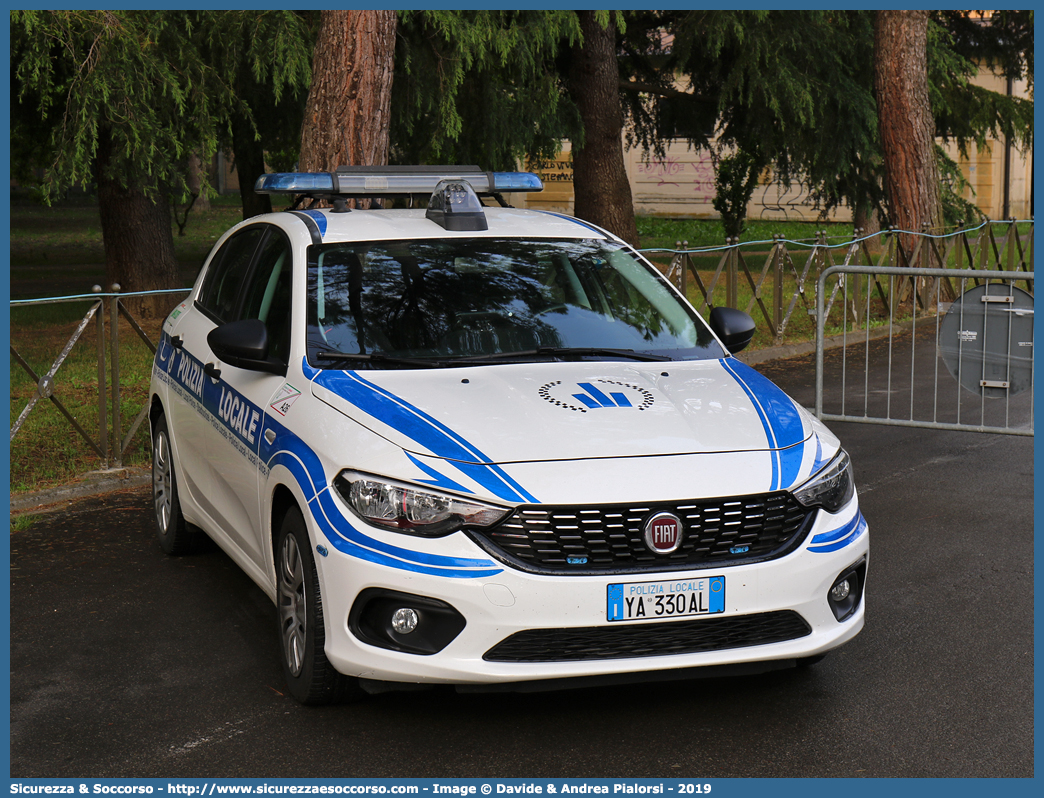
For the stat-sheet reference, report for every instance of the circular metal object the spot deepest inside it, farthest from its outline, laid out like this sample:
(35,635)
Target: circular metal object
(986,340)
(840,591)
(663,533)
(293,621)
(45,387)
(162,477)
(405,620)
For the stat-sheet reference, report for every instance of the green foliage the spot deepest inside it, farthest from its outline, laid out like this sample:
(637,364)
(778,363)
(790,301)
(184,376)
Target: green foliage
(267,57)
(1004,43)
(734,184)
(133,74)
(794,86)
(162,84)
(481,86)
(955,207)
(797,87)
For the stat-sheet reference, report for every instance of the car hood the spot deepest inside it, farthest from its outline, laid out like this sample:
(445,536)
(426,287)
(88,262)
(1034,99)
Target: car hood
(516,413)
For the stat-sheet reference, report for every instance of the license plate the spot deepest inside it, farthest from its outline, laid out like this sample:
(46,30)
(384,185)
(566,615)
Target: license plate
(677,598)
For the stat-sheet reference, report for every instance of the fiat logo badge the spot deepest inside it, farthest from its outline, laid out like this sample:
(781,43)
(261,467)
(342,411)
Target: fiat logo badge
(663,533)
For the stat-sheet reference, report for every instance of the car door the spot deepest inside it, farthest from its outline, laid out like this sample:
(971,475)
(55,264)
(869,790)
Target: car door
(193,397)
(244,395)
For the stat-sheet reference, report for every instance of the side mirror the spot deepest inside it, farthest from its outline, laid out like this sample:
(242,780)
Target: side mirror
(734,327)
(244,344)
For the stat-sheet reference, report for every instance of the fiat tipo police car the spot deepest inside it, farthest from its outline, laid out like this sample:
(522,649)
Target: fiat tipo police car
(469,444)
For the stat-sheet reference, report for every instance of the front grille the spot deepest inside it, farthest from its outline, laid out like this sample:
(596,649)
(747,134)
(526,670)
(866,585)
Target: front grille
(610,538)
(649,639)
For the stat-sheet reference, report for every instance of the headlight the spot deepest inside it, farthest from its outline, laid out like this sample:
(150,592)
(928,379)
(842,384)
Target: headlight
(832,488)
(405,508)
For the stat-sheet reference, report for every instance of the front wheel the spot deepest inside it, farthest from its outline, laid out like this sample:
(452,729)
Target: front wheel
(176,536)
(302,635)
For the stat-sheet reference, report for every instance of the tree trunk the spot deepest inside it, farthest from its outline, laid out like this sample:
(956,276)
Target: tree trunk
(347,116)
(601,191)
(196,169)
(139,243)
(250,164)
(906,122)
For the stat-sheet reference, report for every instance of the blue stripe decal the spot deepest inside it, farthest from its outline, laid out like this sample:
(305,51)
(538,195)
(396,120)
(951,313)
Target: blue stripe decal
(319,218)
(236,416)
(820,461)
(242,420)
(780,418)
(836,539)
(424,429)
(289,451)
(591,403)
(599,397)
(438,480)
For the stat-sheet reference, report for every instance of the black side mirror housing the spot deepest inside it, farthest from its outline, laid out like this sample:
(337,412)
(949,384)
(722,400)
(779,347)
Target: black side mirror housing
(244,344)
(734,327)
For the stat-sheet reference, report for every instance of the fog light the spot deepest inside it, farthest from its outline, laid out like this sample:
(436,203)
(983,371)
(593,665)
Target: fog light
(838,592)
(845,595)
(390,619)
(404,620)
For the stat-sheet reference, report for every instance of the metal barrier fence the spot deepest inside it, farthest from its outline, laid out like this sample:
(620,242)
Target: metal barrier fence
(927,362)
(785,278)
(109,443)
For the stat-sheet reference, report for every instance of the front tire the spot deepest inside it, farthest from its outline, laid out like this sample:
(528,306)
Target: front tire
(176,536)
(302,635)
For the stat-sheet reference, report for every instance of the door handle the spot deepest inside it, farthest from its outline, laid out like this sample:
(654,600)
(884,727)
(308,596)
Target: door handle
(176,341)
(212,371)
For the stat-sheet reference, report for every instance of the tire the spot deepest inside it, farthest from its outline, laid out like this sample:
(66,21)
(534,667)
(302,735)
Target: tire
(302,636)
(176,536)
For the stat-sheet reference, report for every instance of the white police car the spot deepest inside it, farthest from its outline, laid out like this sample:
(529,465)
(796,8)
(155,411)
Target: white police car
(492,448)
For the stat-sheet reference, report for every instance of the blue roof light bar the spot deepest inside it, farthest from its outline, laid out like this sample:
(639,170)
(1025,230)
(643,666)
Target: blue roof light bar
(294,183)
(376,181)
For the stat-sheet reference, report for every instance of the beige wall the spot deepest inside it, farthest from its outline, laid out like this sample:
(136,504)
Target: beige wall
(682,182)
(984,167)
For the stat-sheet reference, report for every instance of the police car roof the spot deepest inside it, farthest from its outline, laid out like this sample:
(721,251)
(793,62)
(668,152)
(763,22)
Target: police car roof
(377,225)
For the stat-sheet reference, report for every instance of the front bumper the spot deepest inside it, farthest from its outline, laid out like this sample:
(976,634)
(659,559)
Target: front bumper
(503,602)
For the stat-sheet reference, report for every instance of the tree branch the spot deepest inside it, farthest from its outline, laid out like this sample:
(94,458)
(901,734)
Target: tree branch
(662,91)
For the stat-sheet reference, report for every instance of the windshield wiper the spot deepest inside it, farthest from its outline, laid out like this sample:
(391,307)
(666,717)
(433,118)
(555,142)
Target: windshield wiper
(377,358)
(560,352)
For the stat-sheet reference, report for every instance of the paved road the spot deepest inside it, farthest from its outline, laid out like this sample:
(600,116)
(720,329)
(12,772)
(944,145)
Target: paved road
(128,663)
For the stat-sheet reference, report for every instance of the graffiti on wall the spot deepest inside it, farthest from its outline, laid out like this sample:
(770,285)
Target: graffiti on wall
(682,182)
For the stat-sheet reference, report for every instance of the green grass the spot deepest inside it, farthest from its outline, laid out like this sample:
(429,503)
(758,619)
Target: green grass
(47,450)
(20,523)
(663,233)
(57,250)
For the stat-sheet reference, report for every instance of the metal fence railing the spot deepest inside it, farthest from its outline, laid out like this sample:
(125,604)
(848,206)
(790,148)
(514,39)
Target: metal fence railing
(924,361)
(771,280)
(108,439)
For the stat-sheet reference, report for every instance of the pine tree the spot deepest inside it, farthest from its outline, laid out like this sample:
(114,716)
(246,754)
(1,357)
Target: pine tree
(122,98)
(346,120)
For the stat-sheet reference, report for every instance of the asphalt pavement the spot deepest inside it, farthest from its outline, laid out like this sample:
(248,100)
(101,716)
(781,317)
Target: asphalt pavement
(125,662)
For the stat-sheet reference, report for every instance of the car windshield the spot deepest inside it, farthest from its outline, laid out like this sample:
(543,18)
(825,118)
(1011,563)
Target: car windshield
(470,300)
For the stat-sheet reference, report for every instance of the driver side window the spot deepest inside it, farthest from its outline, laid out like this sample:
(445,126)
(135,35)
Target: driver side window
(227,275)
(268,294)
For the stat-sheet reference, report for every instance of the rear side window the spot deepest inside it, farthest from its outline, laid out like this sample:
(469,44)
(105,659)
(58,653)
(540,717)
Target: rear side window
(227,274)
